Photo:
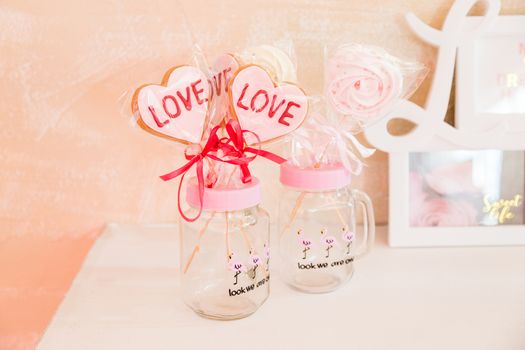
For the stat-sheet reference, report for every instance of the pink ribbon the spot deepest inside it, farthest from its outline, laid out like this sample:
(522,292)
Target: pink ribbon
(233,150)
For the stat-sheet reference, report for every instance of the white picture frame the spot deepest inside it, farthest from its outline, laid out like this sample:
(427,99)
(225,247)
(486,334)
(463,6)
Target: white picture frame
(475,71)
(402,234)
(432,133)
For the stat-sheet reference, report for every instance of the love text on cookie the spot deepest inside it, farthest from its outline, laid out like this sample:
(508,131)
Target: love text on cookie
(174,101)
(269,104)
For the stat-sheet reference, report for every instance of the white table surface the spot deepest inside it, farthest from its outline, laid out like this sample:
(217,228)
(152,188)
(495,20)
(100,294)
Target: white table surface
(126,296)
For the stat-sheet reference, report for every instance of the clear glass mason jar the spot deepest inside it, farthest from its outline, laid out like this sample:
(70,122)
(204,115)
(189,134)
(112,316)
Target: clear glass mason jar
(317,226)
(225,253)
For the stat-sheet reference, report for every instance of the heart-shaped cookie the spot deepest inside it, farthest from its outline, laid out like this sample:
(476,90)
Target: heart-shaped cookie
(222,69)
(178,108)
(268,110)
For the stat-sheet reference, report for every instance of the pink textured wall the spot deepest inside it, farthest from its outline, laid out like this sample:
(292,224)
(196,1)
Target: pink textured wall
(70,159)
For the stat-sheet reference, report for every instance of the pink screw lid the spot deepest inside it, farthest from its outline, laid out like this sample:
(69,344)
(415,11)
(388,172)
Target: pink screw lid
(224,199)
(325,178)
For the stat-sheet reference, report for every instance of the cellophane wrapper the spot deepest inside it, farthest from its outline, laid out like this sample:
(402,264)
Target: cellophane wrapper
(319,142)
(219,70)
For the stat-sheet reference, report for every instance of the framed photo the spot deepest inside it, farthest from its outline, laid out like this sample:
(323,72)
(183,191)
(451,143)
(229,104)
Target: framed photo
(457,197)
(461,184)
(490,76)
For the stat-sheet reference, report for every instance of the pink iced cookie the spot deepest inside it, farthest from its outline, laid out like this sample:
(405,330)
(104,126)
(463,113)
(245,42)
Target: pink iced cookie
(261,107)
(177,109)
(362,83)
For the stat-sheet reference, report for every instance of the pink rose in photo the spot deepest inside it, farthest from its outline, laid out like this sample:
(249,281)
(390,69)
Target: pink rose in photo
(417,194)
(452,179)
(443,212)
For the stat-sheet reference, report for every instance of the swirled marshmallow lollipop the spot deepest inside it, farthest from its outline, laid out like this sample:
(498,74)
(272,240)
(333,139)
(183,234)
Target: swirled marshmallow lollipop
(363,83)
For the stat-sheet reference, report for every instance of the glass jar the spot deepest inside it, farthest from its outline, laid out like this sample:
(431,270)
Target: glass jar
(317,226)
(225,253)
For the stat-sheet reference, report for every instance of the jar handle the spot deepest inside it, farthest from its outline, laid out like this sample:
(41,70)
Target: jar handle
(369,226)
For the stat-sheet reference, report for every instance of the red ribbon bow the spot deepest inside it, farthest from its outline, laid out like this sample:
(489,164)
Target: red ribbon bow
(211,146)
(237,149)
(233,150)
